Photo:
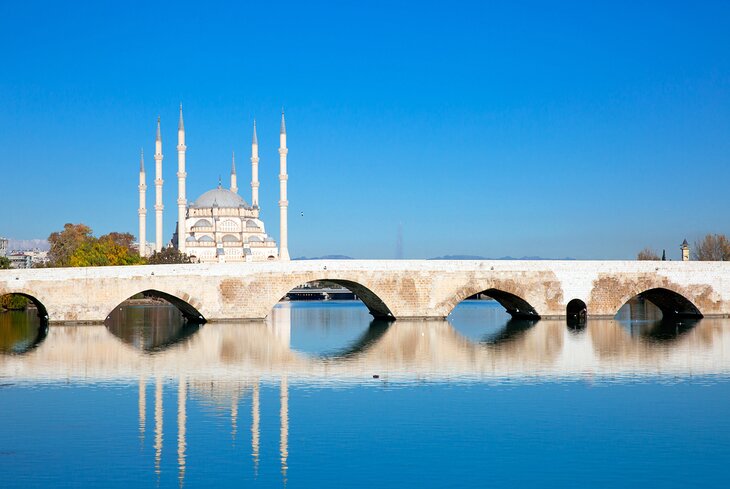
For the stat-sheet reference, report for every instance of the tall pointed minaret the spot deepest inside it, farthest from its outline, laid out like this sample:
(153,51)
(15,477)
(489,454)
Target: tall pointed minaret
(158,189)
(283,203)
(254,168)
(234,180)
(181,199)
(142,211)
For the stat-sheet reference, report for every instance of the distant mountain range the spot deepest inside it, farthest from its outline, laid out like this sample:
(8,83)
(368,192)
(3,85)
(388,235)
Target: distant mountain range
(445,257)
(325,257)
(476,257)
(28,244)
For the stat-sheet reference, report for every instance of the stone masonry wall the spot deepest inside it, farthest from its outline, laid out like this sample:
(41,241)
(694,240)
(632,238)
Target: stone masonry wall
(405,288)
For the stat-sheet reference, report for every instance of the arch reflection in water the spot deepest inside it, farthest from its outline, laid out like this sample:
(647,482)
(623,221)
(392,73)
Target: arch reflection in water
(339,329)
(512,330)
(407,351)
(21,331)
(150,327)
(486,321)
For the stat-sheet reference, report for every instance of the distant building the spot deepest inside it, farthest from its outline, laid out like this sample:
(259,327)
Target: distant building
(27,258)
(18,259)
(219,226)
(3,246)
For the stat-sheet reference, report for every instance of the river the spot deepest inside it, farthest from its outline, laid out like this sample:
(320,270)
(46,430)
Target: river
(322,395)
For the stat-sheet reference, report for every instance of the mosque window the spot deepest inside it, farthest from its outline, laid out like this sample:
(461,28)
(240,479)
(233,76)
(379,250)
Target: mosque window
(228,225)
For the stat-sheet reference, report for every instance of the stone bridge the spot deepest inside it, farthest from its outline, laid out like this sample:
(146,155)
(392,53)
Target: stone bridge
(399,289)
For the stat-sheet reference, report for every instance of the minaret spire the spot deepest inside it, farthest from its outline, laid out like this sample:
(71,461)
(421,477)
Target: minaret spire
(254,168)
(180,124)
(283,203)
(142,211)
(158,189)
(181,176)
(234,179)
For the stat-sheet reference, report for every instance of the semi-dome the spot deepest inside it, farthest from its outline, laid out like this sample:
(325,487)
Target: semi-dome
(219,197)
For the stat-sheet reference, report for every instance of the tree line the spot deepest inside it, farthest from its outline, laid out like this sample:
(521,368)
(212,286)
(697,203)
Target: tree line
(76,246)
(713,247)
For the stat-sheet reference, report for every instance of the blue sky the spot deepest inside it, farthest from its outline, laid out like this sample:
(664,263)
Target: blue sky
(575,129)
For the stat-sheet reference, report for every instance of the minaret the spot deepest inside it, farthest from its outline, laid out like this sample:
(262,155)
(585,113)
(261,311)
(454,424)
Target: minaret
(142,211)
(158,189)
(181,199)
(255,424)
(284,428)
(142,405)
(283,203)
(254,168)
(234,180)
(182,417)
(159,416)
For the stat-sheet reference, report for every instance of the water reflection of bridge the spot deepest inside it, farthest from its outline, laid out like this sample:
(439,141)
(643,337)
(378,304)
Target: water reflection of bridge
(403,351)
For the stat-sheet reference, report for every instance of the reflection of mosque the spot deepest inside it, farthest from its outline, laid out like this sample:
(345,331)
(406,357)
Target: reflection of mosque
(228,392)
(221,364)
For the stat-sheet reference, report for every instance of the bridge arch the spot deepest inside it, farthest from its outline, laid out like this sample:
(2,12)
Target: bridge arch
(377,307)
(508,297)
(184,303)
(22,329)
(671,303)
(40,307)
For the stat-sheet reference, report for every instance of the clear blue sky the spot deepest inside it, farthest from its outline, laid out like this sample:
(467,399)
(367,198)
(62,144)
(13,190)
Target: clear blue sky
(579,129)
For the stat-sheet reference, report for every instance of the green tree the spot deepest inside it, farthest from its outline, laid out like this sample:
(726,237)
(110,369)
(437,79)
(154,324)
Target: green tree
(168,256)
(647,254)
(713,247)
(13,302)
(104,251)
(4,263)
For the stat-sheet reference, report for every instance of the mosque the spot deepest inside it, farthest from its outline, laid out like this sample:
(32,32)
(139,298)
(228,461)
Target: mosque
(219,226)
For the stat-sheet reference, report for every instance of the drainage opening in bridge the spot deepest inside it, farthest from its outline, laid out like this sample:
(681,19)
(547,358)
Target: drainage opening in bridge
(659,314)
(576,314)
(153,321)
(23,323)
(493,316)
(333,318)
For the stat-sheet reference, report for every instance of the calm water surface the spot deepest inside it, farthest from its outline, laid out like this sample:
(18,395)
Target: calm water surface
(321,395)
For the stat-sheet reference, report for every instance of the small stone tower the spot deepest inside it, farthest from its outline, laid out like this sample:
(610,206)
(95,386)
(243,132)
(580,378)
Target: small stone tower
(685,250)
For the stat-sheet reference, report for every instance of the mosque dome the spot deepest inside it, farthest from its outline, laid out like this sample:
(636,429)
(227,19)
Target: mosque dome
(219,197)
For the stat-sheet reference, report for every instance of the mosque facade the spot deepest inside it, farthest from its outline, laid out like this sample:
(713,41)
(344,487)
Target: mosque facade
(219,226)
